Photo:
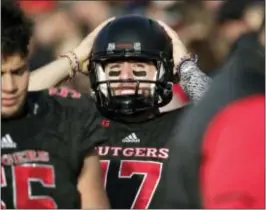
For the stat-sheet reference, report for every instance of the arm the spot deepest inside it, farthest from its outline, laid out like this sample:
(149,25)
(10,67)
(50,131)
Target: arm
(193,85)
(90,185)
(192,80)
(232,175)
(49,75)
(53,73)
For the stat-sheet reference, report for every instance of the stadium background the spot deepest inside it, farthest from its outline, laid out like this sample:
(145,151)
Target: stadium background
(209,29)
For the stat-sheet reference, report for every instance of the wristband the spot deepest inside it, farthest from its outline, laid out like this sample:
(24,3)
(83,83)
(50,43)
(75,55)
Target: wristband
(73,62)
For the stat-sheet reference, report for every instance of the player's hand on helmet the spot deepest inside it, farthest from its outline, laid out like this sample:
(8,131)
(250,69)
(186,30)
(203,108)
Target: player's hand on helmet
(179,49)
(192,80)
(83,50)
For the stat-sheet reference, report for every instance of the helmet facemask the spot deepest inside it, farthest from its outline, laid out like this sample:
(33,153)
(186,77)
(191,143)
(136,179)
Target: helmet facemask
(148,93)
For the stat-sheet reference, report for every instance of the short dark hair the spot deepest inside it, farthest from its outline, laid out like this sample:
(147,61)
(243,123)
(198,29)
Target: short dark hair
(16,29)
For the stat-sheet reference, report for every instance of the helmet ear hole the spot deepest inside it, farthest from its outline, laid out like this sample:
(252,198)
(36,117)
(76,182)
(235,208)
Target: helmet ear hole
(168,93)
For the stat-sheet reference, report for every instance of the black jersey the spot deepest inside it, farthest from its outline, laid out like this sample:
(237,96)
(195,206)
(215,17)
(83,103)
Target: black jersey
(133,159)
(42,152)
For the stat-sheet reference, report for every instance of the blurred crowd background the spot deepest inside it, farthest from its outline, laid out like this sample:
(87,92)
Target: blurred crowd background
(209,29)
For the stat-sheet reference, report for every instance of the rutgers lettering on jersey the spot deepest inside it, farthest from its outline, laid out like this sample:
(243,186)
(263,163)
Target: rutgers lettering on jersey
(141,176)
(127,152)
(18,174)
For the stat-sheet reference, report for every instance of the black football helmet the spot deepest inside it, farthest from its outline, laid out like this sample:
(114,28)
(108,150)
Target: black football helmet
(135,38)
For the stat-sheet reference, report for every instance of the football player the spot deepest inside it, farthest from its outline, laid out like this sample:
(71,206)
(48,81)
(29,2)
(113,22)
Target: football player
(133,64)
(131,73)
(48,158)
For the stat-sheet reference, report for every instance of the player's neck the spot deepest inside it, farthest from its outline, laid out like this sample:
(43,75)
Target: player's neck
(136,118)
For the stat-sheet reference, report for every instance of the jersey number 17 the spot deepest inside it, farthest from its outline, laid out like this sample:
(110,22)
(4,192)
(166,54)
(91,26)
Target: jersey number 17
(151,172)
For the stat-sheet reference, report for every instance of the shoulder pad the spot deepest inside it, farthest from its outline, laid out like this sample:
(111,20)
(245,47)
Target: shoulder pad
(69,97)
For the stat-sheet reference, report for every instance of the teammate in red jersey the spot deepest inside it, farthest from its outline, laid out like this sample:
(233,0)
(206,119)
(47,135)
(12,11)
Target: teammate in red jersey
(219,150)
(47,144)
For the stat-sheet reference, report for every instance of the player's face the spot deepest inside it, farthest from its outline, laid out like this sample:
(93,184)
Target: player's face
(130,70)
(15,78)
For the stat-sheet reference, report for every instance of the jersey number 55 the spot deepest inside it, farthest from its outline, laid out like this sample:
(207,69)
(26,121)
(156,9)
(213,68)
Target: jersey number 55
(23,176)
